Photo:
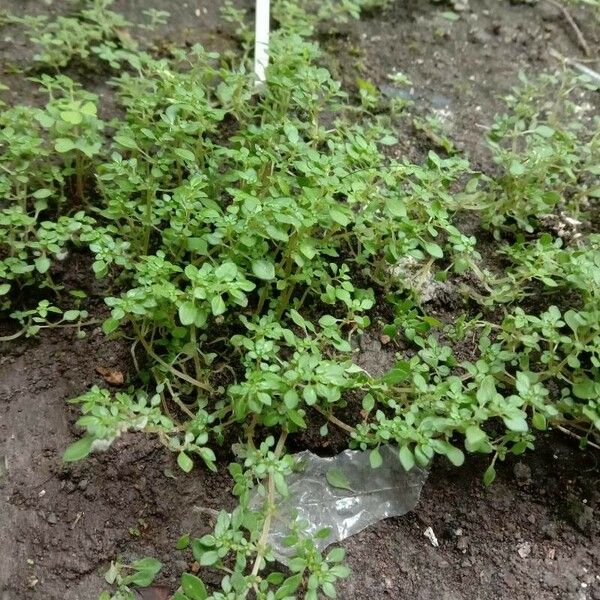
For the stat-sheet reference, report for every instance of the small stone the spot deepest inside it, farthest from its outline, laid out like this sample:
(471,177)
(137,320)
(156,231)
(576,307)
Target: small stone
(462,544)
(82,485)
(524,549)
(52,519)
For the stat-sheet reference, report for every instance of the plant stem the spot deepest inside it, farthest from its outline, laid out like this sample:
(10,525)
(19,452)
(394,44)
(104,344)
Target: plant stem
(262,542)
(335,420)
(14,336)
(172,369)
(264,294)
(571,21)
(574,435)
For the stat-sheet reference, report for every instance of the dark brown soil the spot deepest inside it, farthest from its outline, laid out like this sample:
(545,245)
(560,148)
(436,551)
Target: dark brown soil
(533,535)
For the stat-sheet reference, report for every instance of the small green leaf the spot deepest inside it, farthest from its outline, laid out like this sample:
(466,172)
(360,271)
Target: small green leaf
(539,421)
(398,373)
(147,569)
(489,475)
(71,116)
(280,484)
(209,558)
(185,154)
(337,479)
(187,313)
(516,423)
(126,142)
(585,389)
(310,395)
(185,462)
(193,587)
(395,207)
(375,458)
(110,325)
(433,249)
(217,305)
(111,575)
(263,269)
(89,108)
(475,437)
(291,133)
(450,15)
(63,145)
(327,321)
(516,168)
(487,391)
(336,555)
(71,315)
(290,399)
(42,264)
(42,193)
(545,131)
(329,589)
(368,403)
(4,288)
(407,459)
(183,542)
(455,455)
(79,449)
(339,216)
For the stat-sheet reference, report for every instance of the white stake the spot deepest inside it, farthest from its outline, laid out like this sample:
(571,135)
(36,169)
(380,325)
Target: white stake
(261,44)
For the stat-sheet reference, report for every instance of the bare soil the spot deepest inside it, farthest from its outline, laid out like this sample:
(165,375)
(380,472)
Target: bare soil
(533,535)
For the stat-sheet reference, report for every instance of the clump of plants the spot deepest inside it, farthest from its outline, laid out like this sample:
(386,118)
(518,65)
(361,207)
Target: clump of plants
(90,29)
(254,237)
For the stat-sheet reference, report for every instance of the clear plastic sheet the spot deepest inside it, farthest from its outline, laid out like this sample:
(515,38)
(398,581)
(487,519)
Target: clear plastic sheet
(359,497)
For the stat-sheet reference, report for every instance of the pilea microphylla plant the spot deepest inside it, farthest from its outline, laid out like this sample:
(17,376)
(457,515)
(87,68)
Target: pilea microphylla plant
(249,238)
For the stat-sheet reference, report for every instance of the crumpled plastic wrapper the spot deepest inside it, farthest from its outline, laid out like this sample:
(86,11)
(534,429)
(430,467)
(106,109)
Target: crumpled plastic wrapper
(367,495)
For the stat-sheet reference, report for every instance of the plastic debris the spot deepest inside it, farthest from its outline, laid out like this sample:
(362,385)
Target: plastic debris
(344,494)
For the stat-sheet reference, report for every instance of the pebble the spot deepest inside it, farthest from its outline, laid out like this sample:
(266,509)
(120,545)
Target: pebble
(83,484)
(52,519)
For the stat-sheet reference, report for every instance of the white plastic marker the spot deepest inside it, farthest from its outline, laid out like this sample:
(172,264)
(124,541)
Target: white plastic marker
(261,44)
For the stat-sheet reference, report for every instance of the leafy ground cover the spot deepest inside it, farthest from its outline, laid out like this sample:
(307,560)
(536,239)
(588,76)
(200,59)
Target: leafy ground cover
(247,244)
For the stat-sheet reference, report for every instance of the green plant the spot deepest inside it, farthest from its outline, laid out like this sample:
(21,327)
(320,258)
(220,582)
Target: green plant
(93,29)
(244,264)
(127,577)
(547,157)
(252,238)
(64,38)
(38,185)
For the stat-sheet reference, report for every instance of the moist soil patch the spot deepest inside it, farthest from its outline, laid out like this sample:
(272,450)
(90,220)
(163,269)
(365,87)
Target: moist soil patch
(533,535)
